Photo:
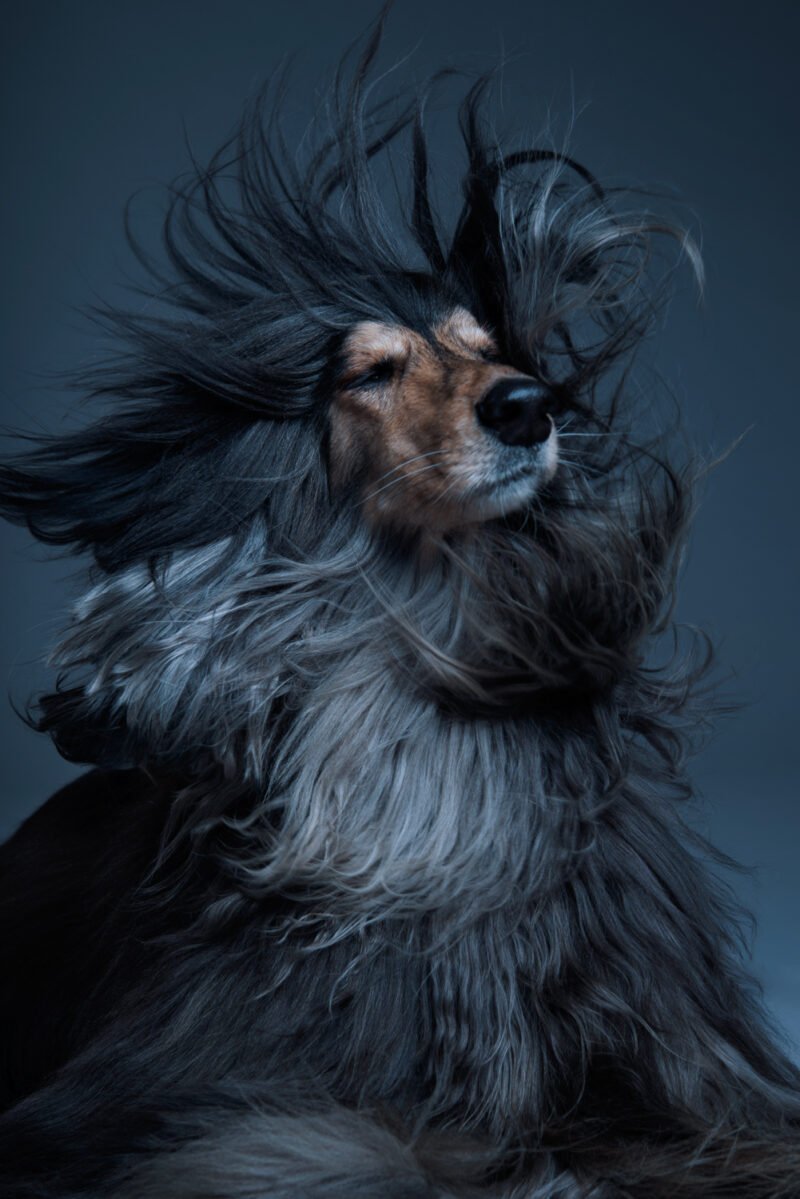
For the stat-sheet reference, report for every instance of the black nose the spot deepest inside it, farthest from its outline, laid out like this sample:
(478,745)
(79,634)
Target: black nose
(516,411)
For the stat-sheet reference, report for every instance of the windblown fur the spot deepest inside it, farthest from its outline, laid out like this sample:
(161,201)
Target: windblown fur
(382,888)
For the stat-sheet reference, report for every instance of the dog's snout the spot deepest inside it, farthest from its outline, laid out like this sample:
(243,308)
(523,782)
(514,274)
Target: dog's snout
(516,411)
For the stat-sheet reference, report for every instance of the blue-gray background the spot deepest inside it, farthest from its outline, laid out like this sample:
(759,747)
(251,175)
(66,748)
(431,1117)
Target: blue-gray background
(698,98)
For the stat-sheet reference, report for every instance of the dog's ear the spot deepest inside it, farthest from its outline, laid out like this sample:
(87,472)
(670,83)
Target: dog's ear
(150,480)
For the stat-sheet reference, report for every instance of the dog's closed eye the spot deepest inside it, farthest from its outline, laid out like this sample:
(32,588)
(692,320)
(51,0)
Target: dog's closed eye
(376,375)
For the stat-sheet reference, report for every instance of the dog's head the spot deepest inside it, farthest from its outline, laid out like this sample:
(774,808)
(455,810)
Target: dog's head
(440,432)
(339,405)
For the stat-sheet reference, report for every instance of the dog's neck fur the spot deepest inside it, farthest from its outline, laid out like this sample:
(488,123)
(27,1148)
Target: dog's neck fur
(489,853)
(333,689)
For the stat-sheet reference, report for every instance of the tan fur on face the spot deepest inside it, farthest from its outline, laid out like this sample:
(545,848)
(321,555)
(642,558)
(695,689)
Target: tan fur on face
(414,438)
(460,331)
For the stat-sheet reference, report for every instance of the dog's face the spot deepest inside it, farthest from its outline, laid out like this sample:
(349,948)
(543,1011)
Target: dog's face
(436,429)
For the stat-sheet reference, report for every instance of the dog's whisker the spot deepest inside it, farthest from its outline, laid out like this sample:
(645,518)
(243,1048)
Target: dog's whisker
(407,462)
(398,468)
(594,436)
(405,477)
(581,466)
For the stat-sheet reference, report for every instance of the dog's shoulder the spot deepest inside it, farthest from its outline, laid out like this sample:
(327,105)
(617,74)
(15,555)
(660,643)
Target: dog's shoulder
(65,876)
(94,822)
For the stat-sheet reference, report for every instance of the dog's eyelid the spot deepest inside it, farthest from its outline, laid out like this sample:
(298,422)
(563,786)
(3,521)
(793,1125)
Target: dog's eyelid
(485,351)
(377,373)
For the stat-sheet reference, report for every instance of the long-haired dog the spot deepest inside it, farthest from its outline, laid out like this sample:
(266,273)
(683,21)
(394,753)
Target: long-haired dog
(379,888)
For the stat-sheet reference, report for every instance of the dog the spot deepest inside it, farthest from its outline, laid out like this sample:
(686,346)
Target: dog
(378,886)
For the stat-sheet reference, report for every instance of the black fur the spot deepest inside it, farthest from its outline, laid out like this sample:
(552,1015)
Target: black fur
(381,888)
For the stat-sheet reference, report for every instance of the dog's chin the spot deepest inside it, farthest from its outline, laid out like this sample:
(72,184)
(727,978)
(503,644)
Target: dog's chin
(514,487)
(505,496)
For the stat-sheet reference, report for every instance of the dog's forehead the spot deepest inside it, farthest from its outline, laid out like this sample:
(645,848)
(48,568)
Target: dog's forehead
(455,330)
(460,328)
(376,339)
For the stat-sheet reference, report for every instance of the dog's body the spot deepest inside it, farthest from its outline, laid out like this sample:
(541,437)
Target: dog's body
(380,888)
